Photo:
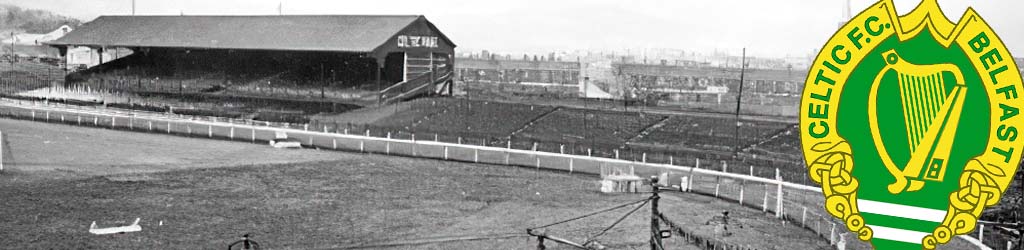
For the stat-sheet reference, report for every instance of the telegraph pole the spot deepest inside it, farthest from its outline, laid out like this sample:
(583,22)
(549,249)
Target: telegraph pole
(656,243)
(739,100)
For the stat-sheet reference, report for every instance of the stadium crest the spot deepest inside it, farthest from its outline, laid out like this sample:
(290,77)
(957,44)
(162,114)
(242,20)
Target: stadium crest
(910,124)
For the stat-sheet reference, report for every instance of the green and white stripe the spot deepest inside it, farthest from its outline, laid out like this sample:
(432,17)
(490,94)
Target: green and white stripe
(897,222)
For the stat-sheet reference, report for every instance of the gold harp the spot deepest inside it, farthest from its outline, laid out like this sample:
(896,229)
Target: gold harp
(931,98)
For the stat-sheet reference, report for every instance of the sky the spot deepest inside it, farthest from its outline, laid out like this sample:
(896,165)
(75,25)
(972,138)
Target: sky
(766,28)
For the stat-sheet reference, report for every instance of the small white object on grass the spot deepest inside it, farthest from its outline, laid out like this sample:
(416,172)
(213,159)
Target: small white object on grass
(538,193)
(134,227)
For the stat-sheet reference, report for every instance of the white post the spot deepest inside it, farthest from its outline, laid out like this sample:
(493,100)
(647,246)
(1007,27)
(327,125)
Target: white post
(460,140)
(803,218)
(570,165)
(778,193)
(334,143)
(561,149)
(981,233)
(95,120)
(689,184)
(832,234)
(616,154)
(113,122)
(741,190)
(413,144)
(253,133)
(764,205)
(79,120)
(231,133)
(47,115)
(188,128)
(476,155)
(209,131)
(670,160)
(590,152)
(644,158)
(33,114)
(1,151)
(718,179)
(62,117)
(168,127)
(305,127)
(446,152)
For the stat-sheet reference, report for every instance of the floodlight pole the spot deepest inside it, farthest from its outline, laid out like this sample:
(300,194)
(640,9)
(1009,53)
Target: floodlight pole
(739,100)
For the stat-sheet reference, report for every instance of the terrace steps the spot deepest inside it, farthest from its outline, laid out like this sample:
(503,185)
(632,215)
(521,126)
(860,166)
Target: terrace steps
(534,120)
(779,133)
(647,130)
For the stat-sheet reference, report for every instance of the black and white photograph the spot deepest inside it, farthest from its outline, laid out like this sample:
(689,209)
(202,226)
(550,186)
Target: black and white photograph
(457,124)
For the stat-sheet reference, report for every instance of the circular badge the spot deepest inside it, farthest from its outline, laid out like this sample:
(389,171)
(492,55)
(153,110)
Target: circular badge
(910,124)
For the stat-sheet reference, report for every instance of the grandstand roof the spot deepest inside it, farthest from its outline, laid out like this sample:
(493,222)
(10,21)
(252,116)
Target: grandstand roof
(344,33)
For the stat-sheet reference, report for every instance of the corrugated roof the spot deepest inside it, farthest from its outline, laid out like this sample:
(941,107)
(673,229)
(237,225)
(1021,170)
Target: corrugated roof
(350,33)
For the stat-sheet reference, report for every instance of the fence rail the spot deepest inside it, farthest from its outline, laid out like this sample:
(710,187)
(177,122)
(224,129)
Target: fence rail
(795,203)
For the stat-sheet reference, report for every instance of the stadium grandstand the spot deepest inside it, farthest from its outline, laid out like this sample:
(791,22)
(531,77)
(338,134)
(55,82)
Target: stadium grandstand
(362,60)
(491,75)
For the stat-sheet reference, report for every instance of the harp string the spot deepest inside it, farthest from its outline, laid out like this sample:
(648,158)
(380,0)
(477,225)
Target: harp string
(922,96)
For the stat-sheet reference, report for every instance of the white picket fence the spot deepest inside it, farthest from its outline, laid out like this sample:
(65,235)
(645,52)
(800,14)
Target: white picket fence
(793,203)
